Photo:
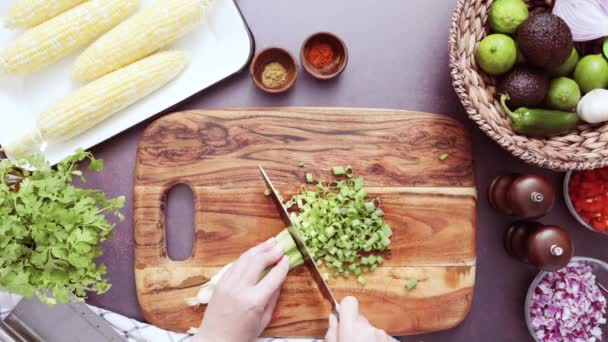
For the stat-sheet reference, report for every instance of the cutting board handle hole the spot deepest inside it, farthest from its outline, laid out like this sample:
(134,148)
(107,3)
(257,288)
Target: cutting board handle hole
(179,218)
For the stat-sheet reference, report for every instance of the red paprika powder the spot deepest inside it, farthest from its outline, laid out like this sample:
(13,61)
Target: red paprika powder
(589,196)
(320,55)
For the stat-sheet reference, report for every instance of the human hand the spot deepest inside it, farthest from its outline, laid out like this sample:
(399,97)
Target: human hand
(353,327)
(242,307)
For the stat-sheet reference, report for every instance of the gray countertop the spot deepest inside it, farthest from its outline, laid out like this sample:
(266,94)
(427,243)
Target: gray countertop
(398,59)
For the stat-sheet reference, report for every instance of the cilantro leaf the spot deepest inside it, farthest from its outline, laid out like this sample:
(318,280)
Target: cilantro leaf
(96,165)
(51,230)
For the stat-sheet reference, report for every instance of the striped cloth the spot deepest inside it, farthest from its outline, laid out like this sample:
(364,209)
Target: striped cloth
(132,330)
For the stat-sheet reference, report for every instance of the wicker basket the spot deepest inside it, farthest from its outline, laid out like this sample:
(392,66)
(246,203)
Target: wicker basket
(585,148)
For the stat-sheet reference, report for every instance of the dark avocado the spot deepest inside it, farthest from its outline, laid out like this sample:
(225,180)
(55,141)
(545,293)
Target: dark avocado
(545,40)
(525,86)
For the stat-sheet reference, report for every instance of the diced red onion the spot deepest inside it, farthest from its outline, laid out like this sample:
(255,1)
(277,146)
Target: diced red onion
(568,306)
(587,19)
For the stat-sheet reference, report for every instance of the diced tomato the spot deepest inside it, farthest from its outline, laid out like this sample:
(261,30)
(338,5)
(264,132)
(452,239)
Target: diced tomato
(589,196)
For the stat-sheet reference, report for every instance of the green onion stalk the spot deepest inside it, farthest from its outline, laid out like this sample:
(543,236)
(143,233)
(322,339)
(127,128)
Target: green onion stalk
(284,239)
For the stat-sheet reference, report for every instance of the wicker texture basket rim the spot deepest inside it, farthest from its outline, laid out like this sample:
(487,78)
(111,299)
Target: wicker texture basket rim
(585,148)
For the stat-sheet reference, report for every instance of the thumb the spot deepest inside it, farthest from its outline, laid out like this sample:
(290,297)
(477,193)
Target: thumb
(332,331)
(273,281)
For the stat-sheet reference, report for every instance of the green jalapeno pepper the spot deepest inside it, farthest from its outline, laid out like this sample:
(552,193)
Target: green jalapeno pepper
(539,122)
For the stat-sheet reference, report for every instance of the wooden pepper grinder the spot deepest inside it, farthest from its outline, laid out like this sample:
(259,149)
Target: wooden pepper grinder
(527,196)
(546,247)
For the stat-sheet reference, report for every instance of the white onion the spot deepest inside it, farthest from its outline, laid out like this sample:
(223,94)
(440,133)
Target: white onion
(207,289)
(587,19)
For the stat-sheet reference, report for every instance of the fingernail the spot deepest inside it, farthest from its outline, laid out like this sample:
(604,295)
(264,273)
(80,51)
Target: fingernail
(277,249)
(271,242)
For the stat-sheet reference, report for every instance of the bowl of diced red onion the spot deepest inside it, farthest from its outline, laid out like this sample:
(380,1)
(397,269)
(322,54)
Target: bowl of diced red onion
(569,304)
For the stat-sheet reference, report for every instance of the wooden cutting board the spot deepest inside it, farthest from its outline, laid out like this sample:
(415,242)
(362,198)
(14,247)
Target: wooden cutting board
(429,203)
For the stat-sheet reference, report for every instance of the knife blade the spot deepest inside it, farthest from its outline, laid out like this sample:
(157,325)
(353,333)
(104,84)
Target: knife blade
(295,234)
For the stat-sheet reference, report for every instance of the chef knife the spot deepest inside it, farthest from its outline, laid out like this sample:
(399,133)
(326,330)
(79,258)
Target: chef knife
(33,321)
(295,234)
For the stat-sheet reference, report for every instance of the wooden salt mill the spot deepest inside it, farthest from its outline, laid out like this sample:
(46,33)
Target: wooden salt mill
(526,196)
(549,248)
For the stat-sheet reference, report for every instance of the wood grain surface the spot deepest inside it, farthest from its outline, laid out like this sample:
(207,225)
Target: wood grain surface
(429,203)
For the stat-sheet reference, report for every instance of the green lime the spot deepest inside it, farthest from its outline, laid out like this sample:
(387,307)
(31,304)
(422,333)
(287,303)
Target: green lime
(568,66)
(507,15)
(563,94)
(496,54)
(605,47)
(591,73)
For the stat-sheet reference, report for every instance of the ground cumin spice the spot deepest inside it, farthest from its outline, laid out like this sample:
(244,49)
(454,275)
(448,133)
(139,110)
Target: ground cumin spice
(320,55)
(274,75)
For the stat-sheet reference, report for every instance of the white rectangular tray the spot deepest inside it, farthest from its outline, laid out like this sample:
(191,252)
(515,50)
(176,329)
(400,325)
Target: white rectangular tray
(220,47)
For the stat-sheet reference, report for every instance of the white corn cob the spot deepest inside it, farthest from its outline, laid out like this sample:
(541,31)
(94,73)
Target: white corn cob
(56,38)
(146,32)
(98,100)
(29,13)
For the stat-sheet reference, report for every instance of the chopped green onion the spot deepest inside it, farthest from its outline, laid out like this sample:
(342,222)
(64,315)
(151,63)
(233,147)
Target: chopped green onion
(359,183)
(349,171)
(411,284)
(361,280)
(301,164)
(443,156)
(338,170)
(340,226)
(309,178)
(386,230)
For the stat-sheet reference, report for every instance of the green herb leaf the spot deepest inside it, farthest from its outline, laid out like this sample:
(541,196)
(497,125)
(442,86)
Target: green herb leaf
(51,230)
(96,165)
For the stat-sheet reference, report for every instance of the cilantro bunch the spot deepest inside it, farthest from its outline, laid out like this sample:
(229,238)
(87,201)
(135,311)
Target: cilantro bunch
(50,230)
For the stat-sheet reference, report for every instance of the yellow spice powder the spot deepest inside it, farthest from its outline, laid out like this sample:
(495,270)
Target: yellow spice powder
(274,75)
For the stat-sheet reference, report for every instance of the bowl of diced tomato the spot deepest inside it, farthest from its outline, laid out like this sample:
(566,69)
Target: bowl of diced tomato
(586,195)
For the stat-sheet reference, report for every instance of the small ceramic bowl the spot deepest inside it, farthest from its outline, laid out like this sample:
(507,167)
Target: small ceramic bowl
(600,270)
(570,205)
(340,60)
(270,55)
